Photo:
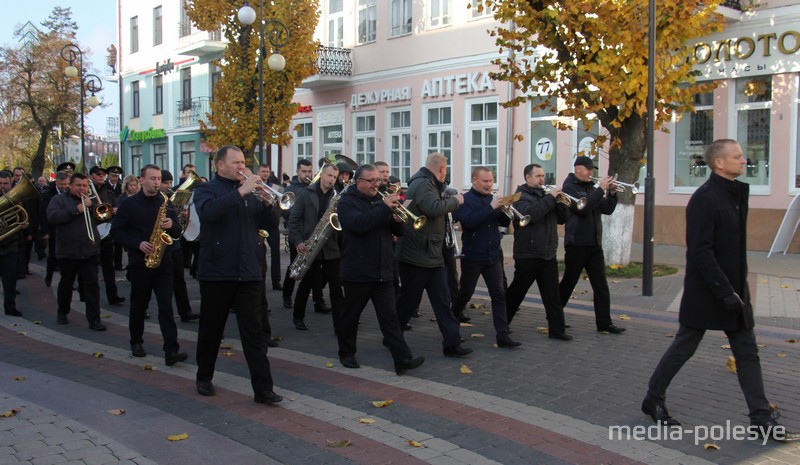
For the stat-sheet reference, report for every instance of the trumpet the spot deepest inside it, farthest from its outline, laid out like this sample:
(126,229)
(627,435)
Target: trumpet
(285,199)
(511,212)
(568,200)
(402,212)
(620,186)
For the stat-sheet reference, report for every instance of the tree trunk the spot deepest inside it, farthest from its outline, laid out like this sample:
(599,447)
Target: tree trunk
(625,161)
(37,163)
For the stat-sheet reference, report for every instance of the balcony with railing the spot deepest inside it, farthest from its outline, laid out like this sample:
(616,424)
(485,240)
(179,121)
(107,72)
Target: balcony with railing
(189,112)
(334,68)
(731,10)
(194,42)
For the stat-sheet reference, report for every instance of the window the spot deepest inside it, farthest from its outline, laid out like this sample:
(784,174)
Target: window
(157,29)
(185,26)
(186,89)
(693,133)
(216,75)
(158,94)
(303,142)
(482,136)
(160,155)
(335,24)
(479,10)
(367,21)
(584,143)
(134,34)
(542,138)
(135,95)
(400,143)
(332,140)
(438,132)
(753,104)
(136,159)
(364,139)
(187,153)
(440,13)
(401,17)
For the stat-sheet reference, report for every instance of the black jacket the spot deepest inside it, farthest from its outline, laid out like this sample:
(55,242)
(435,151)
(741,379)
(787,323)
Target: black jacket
(229,240)
(72,239)
(716,256)
(303,218)
(295,186)
(480,239)
(134,223)
(539,239)
(367,229)
(44,224)
(585,227)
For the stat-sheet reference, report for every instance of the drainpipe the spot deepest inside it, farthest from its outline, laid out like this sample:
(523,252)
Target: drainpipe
(509,126)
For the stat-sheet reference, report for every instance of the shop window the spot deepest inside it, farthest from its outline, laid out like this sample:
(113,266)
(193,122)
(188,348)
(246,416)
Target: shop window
(187,153)
(482,130)
(136,159)
(160,155)
(438,130)
(753,105)
(303,142)
(364,139)
(693,133)
(400,144)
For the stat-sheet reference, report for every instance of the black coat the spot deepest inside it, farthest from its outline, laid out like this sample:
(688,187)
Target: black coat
(134,223)
(72,239)
(303,218)
(295,186)
(716,256)
(367,229)
(585,227)
(539,239)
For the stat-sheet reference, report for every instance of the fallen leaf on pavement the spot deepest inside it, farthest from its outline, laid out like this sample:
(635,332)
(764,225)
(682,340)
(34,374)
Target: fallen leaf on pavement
(329,365)
(117,411)
(784,286)
(624,317)
(277,338)
(495,345)
(781,355)
(19,378)
(710,446)
(23,333)
(148,368)
(432,319)
(10,413)
(228,354)
(178,437)
(380,403)
(415,443)
(342,443)
(725,346)
(476,335)
(37,322)
(105,315)
(791,340)
(97,354)
(366,421)
(466,325)
(669,335)
(761,346)
(476,306)
(615,281)
(762,281)
(773,406)
(542,330)
(465,370)
(731,364)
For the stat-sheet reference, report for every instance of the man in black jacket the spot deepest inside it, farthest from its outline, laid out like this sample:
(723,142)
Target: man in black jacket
(48,231)
(9,249)
(583,243)
(716,295)
(535,248)
(132,227)
(97,176)
(230,271)
(367,272)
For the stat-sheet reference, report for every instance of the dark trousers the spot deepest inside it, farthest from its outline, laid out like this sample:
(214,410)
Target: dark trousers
(383,299)
(23,253)
(748,367)
(158,281)
(545,273)
(288,283)
(107,264)
(51,255)
(274,242)
(320,270)
(492,273)
(433,281)
(87,269)
(265,326)
(179,282)
(576,258)
(216,300)
(449,255)
(8,273)
(118,248)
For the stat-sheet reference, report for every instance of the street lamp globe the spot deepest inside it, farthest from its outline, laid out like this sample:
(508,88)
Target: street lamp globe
(247,15)
(71,71)
(93,100)
(276,62)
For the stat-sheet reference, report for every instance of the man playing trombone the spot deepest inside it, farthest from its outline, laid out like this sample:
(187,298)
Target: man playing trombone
(583,242)
(535,249)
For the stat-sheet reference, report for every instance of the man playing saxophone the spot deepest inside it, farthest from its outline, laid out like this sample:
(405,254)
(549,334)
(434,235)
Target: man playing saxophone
(138,220)
(310,210)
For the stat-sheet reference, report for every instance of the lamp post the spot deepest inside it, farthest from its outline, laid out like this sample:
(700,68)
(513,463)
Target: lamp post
(278,36)
(88,82)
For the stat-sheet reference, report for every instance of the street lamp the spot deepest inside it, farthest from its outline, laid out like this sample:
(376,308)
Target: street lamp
(278,36)
(89,82)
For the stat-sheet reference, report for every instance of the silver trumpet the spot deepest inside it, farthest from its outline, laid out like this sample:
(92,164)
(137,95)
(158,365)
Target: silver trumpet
(285,200)
(568,200)
(511,212)
(450,238)
(620,186)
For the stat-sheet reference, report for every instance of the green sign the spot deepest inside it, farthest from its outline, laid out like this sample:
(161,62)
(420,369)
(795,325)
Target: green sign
(141,136)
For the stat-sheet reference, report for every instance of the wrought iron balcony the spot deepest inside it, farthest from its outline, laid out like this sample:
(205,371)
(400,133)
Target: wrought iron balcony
(334,67)
(191,111)
(733,4)
(194,42)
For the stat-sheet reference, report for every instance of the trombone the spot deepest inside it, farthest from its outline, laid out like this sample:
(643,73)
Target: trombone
(87,219)
(568,200)
(103,211)
(285,199)
(620,186)
(511,212)
(401,211)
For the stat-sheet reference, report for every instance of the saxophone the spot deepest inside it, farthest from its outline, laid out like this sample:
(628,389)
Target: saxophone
(159,238)
(322,231)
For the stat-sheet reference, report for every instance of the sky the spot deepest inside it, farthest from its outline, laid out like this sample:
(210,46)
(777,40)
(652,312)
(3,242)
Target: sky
(97,29)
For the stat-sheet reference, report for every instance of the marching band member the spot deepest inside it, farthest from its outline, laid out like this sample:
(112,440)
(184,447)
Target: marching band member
(114,184)
(133,227)
(48,231)
(367,274)
(273,228)
(535,250)
(480,216)
(420,253)
(9,249)
(383,174)
(230,272)
(97,175)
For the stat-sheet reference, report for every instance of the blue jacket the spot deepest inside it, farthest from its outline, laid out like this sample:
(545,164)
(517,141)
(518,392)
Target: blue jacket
(229,240)
(480,239)
(367,228)
(134,223)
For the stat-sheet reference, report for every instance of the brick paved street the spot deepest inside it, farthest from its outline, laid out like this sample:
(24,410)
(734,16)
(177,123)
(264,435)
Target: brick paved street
(546,402)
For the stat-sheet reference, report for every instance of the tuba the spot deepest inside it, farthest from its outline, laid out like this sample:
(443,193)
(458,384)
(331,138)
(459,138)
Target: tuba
(12,215)
(322,231)
(159,238)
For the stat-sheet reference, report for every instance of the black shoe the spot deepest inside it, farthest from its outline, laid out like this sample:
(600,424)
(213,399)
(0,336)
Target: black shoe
(774,430)
(119,268)
(137,350)
(171,358)
(277,286)
(406,327)
(403,366)
(97,326)
(463,318)
(191,316)
(416,313)
(350,362)
(658,412)
(507,342)
(205,388)
(268,398)
(146,316)
(322,308)
(288,303)
(301,325)
(116,300)
(62,319)
(611,330)
(41,256)
(22,276)
(13,312)
(456,351)
(567,325)
(272,343)
(560,336)
(48,280)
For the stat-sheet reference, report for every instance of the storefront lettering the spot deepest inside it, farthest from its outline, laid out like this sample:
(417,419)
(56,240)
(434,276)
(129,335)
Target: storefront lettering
(468,83)
(742,48)
(380,96)
(166,67)
(141,136)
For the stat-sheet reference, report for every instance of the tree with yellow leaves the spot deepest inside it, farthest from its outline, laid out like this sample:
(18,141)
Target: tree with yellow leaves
(234,109)
(593,57)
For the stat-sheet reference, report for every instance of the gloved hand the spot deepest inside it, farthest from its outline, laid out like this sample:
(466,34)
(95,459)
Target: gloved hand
(733,303)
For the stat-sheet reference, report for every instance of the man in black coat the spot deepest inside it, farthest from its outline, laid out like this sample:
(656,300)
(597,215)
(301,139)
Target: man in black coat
(716,294)
(9,250)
